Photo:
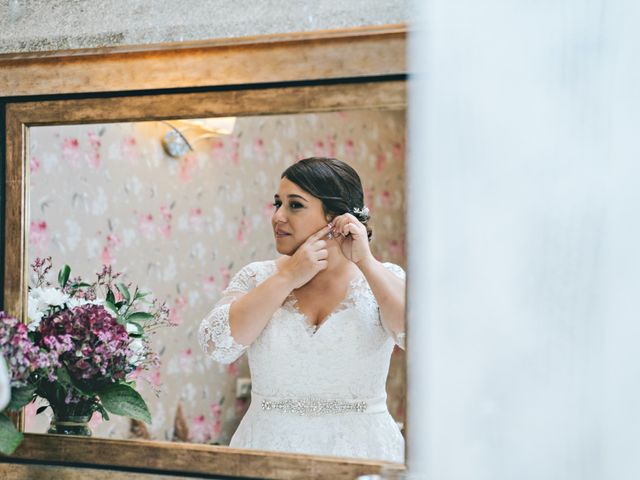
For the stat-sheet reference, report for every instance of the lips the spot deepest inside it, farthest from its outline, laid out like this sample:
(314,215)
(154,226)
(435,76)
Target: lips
(280,233)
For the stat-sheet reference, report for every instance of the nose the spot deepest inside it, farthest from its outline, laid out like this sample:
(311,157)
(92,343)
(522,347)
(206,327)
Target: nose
(279,216)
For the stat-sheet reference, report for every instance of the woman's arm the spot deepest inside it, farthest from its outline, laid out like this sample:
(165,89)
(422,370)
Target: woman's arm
(226,332)
(389,290)
(387,286)
(249,315)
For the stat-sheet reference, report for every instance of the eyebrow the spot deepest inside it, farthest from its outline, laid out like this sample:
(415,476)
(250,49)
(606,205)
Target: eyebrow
(293,195)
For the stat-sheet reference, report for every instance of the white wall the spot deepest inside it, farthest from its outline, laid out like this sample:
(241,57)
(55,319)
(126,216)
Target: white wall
(45,25)
(524,201)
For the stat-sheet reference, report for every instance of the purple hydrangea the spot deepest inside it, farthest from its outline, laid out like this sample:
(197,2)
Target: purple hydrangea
(22,355)
(94,346)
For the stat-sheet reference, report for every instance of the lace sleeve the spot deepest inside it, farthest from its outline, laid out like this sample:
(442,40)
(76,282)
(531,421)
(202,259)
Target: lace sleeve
(214,333)
(400,337)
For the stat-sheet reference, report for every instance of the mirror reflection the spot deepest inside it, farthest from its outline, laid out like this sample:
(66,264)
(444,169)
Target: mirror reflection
(186,210)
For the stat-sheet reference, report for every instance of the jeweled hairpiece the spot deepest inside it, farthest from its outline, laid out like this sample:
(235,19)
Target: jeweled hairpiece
(364,211)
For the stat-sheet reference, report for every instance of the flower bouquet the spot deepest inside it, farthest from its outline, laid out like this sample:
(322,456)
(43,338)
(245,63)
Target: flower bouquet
(81,344)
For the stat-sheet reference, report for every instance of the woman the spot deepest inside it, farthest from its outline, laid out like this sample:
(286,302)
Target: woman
(319,324)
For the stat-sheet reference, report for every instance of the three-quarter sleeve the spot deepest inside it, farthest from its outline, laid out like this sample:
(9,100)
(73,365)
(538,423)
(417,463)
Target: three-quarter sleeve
(400,337)
(214,333)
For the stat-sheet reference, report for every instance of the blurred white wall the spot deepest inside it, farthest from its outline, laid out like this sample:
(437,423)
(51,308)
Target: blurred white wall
(48,25)
(524,239)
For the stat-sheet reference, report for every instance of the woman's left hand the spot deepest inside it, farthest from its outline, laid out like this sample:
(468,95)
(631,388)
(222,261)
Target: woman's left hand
(352,237)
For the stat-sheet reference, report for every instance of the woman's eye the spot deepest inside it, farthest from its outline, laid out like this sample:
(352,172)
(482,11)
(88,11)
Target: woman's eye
(295,205)
(277,204)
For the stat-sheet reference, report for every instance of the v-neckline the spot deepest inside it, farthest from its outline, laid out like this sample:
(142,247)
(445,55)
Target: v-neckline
(312,330)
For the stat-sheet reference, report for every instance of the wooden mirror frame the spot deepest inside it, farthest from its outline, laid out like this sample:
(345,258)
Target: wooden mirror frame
(360,68)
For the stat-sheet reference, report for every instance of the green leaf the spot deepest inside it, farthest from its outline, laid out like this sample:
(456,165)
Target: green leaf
(110,297)
(139,329)
(63,275)
(141,295)
(111,306)
(124,291)
(121,399)
(20,397)
(103,412)
(10,438)
(63,377)
(137,316)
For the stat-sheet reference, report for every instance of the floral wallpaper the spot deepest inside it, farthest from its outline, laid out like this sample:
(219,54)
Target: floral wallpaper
(109,194)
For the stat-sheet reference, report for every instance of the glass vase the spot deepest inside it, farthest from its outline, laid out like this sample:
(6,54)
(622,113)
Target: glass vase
(70,425)
(71,419)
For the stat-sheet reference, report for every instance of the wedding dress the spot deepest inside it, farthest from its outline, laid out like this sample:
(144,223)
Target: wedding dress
(316,391)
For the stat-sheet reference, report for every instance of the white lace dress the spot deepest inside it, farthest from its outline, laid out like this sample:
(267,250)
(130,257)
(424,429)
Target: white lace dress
(318,392)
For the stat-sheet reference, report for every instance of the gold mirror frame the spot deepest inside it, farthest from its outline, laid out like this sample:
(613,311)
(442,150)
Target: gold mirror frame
(360,68)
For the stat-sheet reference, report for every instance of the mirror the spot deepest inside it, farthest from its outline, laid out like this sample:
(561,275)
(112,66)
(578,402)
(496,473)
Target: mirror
(180,222)
(359,69)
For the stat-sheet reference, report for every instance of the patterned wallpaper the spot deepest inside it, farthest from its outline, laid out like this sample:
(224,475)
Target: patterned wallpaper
(109,194)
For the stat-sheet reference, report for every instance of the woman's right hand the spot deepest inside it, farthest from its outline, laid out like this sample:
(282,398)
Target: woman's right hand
(307,261)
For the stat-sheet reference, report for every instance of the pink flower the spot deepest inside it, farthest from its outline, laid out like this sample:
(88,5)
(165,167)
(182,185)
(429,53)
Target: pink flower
(146,225)
(216,428)
(369,196)
(34,164)
(71,151)
(112,242)
(209,286)
(258,148)
(385,198)
(129,149)
(22,355)
(244,226)
(226,276)
(216,410)
(154,377)
(348,148)
(94,155)
(268,210)
(38,234)
(235,150)
(217,150)
(196,220)
(395,249)
(187,165)
(331,146)
(198,432)
(175,313)
(319,148)
(381,160)
(398,151)
(186,360)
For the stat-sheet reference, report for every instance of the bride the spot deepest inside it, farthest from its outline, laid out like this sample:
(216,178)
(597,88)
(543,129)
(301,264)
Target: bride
(319,324)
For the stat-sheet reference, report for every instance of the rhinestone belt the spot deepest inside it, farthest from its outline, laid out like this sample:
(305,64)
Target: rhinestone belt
(314,406)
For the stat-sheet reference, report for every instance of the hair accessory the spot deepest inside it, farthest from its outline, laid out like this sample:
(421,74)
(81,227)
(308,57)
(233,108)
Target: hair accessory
(364,211)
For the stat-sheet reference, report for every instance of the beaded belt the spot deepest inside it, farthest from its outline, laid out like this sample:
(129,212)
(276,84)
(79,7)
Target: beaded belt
(310,406)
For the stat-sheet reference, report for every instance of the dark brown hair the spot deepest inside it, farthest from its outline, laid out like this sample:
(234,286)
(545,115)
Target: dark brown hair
(334,182)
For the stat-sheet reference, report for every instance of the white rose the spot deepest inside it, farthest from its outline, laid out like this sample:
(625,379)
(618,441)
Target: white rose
(53,296)
(137,346)
(34,314)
